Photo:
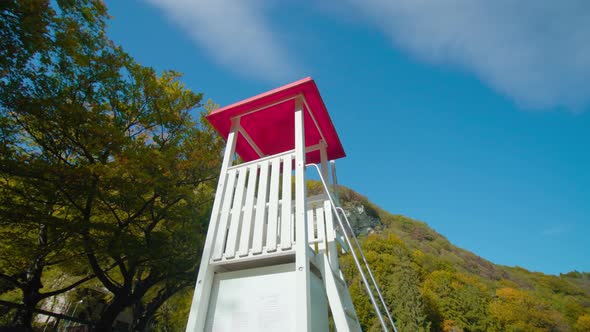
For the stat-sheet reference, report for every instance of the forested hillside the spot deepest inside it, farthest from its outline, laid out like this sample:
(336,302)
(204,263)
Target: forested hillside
(430,284)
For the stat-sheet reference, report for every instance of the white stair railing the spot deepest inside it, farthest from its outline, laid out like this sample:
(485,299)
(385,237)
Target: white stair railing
(345,230)
(368,268)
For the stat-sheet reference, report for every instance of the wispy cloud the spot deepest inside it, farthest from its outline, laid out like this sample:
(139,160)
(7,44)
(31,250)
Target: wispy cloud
(535,52)
(236,33)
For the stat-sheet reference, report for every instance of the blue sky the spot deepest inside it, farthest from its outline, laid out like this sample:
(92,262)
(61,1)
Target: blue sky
(471,116)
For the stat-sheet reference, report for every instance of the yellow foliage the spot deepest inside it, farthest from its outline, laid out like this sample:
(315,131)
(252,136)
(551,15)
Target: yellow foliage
(517,310)
(583,323)
(450,325)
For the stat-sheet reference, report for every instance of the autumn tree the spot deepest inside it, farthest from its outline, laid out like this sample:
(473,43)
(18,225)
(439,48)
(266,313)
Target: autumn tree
(518,310)
(103,165)
(34,233)
(396,275)
(457,301)
(583,323)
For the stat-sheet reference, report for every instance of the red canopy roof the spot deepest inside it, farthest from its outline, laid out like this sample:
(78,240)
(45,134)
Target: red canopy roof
(269,120)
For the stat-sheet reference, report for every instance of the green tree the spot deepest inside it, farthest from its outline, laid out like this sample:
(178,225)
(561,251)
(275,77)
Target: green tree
(456,301)
(103,155)
(33,231)
(396,275)
(35,237)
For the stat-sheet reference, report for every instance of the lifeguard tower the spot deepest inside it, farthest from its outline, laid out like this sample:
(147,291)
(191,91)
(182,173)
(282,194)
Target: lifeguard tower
(270,260)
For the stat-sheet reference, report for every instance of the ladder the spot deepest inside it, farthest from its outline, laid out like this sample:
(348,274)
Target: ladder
(343,311)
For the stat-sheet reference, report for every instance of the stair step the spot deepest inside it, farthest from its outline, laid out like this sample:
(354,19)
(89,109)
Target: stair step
(338,279)
(350,313)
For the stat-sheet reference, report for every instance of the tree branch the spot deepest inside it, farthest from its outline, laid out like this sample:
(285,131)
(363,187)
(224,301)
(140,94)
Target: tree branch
(101,274)
(11,279)
(140,211)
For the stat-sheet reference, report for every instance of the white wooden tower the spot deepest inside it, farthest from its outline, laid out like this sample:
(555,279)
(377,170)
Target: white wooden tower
(270,260)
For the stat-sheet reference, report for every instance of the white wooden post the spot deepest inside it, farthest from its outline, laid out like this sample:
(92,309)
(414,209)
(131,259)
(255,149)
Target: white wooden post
(302,273)
(198,312)
(334,181)
(331,237)
(324,168)
(324,160)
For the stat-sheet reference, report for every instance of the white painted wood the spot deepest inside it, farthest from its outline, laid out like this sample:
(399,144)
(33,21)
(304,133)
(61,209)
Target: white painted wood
(253,300)
(251,142)
(268,257)
(324,160)
(260,160)
(246,232)
(252,218)
(334,181)
(312,148)
(310,228)
(220,237)
(258,233)
(321,222)
(343,313)
(273,206)
(331,236)
(266,106)
(336,307)
(315,122)
(286,225)
(346,301)
(256,300)
(319,304)
(321,228)
(238,203)
(302,274)
(200,302)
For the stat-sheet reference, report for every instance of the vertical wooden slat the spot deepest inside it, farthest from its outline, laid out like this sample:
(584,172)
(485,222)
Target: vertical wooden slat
(310,228)
(334,181)
(321,228)
(324,161)
(222,229)
(286,205)
(331,237)
(294,227)
(321,223)
(246,232)
(234,226)
(273,206)
(257,237)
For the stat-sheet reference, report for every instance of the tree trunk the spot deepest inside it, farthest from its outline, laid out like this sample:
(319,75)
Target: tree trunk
(24,315)
(145,313)
(141,320)
(108,317)
(32,285)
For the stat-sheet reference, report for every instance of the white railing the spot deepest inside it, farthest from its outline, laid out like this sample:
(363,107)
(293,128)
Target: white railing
(348,233)
(257,212)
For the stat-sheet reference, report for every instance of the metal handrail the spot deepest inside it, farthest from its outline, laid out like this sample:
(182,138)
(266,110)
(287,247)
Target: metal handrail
(354,256)
(368,268)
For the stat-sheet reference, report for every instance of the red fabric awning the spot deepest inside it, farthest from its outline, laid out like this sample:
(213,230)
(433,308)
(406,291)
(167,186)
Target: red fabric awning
(269,120)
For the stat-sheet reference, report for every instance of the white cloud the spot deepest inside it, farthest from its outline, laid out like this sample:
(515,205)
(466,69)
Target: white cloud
(535,52)
(234,32)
